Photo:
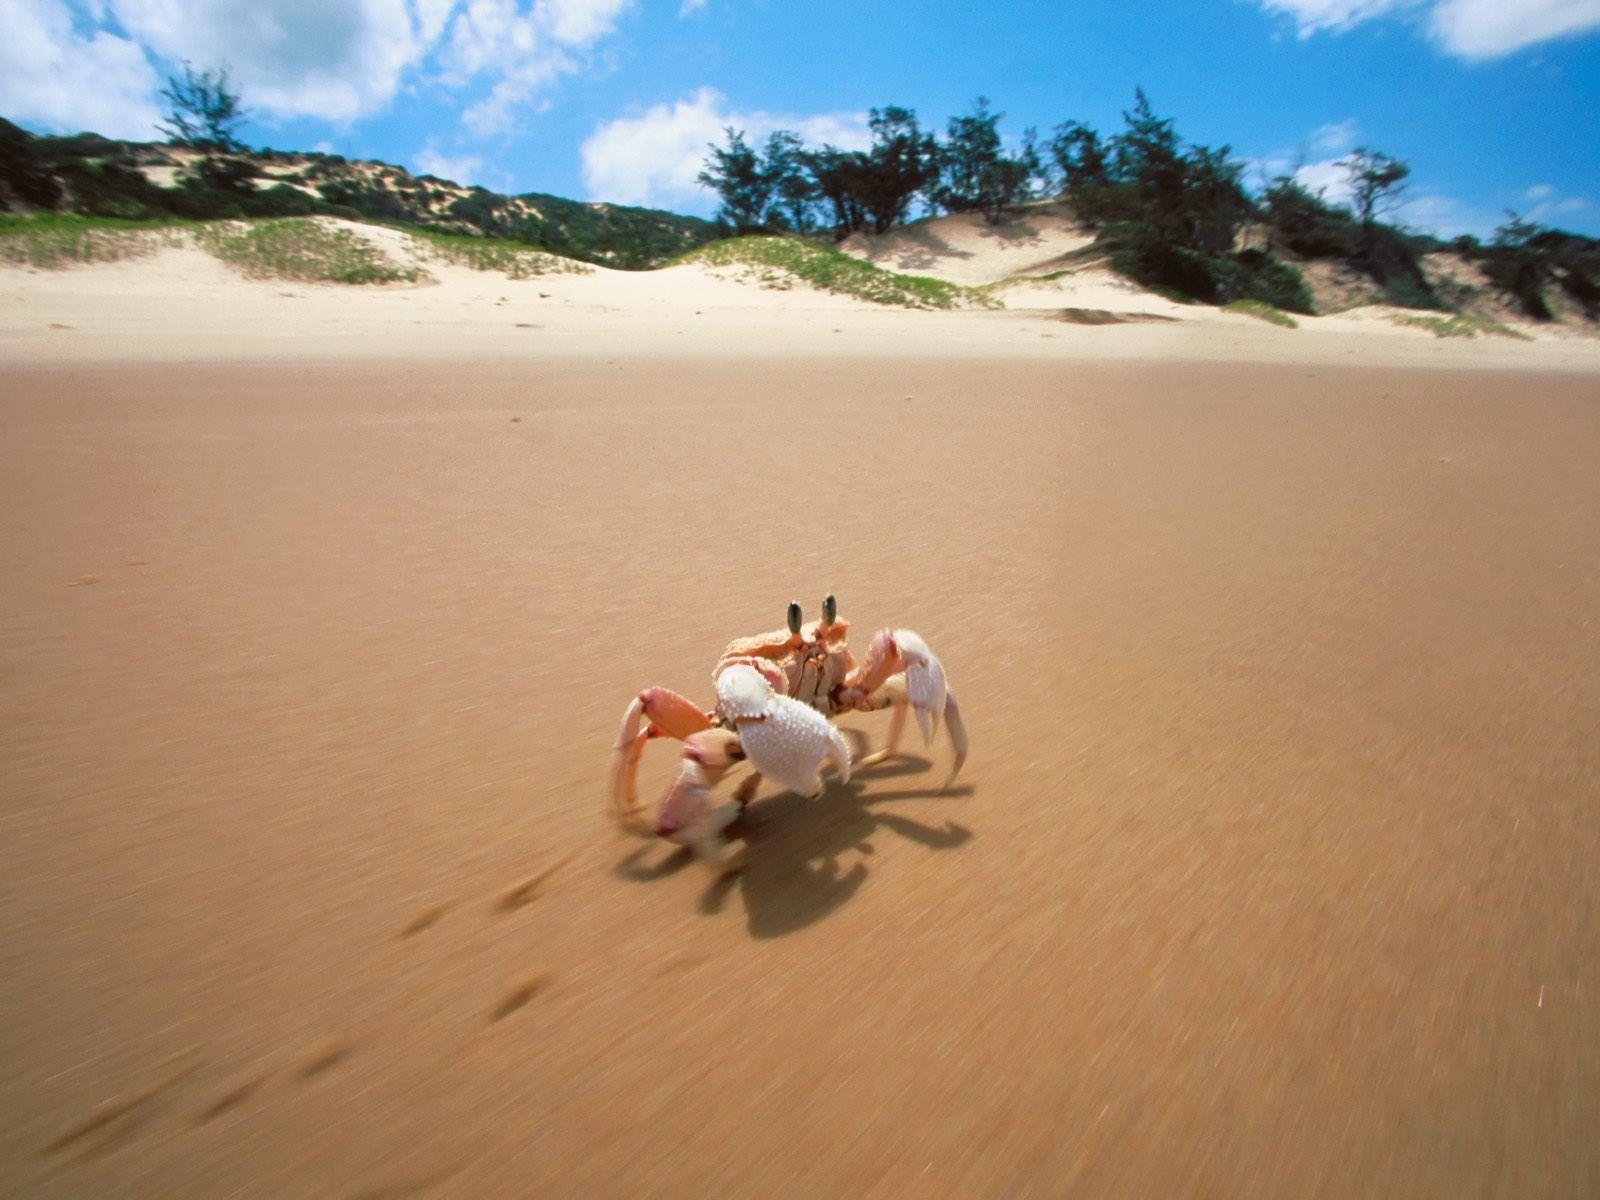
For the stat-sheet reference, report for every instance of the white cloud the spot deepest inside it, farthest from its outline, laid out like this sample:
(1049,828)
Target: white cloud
(1478,29)
(653,158)
(1470,29)
(99,62)
(53,76)
(526,46)
(293,57)
(464,169)
(1445,217)
(1546,206)
(1337,138)
(1314,16)
(690,6)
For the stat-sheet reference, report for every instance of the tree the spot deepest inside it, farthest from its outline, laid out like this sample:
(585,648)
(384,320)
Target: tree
(1376,183)
(204,110)
(794,190)
(740,179)
(901,164)
(1083,171)
(975,174)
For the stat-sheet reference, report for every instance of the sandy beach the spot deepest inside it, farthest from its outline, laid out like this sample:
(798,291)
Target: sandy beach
(1271,872)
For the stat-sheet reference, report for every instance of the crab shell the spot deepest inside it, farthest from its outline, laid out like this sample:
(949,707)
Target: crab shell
(784,739)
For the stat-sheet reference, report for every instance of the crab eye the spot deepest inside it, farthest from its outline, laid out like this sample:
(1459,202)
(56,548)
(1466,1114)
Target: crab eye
(830,609)
(794,616)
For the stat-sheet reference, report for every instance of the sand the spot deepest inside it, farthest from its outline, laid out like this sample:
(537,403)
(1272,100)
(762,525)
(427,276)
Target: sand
(183,306)
(1271,872)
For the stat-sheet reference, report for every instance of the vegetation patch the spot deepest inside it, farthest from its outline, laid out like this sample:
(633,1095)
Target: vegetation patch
(1264,311)
(514,260)
(1461,326)
(303,250)
(1104,316)
(56,240)
(777,262)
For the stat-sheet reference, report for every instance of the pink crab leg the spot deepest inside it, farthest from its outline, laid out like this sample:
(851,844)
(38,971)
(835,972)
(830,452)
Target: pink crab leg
(892,695)
(654,712)
(689,814)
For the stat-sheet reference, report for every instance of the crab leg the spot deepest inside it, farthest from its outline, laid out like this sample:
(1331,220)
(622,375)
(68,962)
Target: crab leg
(689,814)
(877,684)
(653,713)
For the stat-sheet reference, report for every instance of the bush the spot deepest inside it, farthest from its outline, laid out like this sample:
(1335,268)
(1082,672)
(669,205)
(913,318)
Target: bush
(1143,255)
(23,177)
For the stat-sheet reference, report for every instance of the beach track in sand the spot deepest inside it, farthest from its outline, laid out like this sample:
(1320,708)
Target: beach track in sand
(1271,872)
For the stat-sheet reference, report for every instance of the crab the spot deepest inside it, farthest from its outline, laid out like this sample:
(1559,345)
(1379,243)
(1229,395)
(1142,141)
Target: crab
(777,695)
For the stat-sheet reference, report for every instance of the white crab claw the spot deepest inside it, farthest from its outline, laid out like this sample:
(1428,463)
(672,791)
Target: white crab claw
(742,693)
(784,740)
(925,685)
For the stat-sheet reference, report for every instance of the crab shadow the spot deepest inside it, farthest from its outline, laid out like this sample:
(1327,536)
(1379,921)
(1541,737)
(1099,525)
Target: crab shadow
(795,849)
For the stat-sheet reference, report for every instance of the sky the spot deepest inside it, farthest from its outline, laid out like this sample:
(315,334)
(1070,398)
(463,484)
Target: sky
(1495,104)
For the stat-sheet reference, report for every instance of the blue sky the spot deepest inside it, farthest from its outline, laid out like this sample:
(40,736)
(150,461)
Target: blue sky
(1494,103)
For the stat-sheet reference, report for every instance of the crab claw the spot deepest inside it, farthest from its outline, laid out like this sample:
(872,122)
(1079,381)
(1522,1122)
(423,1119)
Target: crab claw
(925,685)
(784,739)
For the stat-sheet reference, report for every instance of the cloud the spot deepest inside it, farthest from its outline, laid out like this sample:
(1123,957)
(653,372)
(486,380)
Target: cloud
(1546,206)
(69,63)
(1325,176)
(1471,29)
(54,76)
(1337,138)
(690,6)
(525,47)
(293,58)
(1445,216)
(1479,29)
(464,169)
(653,158)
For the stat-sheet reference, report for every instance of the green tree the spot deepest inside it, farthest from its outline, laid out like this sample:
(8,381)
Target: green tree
(742,182)
(204,111)
(1377,183)
(975,173)
(794,191)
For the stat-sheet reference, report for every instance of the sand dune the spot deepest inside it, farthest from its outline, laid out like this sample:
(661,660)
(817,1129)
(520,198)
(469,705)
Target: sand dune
(180,304)
(968,250)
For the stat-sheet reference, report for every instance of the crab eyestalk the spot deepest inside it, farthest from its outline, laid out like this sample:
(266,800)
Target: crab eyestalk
(794,616)
(830,609)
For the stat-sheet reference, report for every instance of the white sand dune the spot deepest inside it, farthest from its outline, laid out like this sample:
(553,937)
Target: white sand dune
(179,304)
(967,250)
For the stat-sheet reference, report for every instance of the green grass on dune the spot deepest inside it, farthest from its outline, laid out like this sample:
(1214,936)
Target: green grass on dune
(52,241)
(1461,326)
(777,262)
(304,250)
(1261,310)
(514,260)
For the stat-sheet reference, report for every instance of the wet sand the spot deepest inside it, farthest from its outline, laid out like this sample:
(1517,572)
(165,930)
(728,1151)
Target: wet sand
(1272,872)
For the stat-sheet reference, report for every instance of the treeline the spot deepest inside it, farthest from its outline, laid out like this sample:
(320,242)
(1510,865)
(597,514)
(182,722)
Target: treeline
(97,176)
(1171,214)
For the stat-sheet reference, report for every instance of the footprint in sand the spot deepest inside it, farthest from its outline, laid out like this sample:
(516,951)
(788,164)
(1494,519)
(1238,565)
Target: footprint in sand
(233,1099)
(116,1121)
(519,995)
(528,890)
(323,1057)
(426,919)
